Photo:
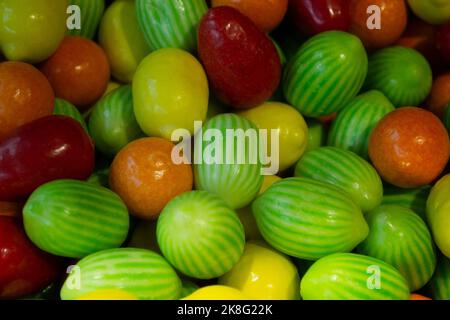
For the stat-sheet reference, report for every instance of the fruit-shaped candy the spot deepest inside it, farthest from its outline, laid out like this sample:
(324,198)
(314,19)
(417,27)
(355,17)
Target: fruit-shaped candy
(25,95)
(432,11)
(188,288)
(440,283)
(440,95)
(91,14)
(309,219)
(346,170)
(108,294)
(231,169)
(326,73)
(31,30)
(263,274)
(398,236)
(443,41)
(217,292)
(73,218)
(112,123)
(409,147)
(170,91)
(139,272)
(317,134)
(243,65)
(78,71)
(414,199)
(348,276)
(353,125)
(170,24)
(50,148)
(122,39)
(146,178)
(65,108)
(402,74)
(200,235)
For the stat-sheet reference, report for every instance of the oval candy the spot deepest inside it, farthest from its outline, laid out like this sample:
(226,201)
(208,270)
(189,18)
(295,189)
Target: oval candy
(91,14)
(65,108)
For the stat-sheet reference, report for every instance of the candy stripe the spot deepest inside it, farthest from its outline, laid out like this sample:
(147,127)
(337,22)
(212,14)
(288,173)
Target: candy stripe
(65,108)
(91,14)
(414,199)
(440,283)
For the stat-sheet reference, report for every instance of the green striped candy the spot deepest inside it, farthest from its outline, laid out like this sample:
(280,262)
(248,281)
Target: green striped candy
(65,108)
(316,134)
(142,273)
(345,170)
(353,125)
(440,283)
(112,123)
(402,74)
(447,117)
(231,170)
(73,218)
(200,235)
(414,199)
(170,23)
(348,276)
(91,14)
(401,238)
(188,288)
(309,219)
(326,73)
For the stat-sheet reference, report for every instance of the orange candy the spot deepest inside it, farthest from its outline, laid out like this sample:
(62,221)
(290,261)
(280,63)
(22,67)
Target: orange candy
(78,71)
(394,18)
(409,147)
(416,296)
(25,95)
(440,95)
(266,14)
(145,177)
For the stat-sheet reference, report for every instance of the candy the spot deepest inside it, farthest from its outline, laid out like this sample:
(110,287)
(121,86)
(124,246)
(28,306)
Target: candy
(353,125)
(111,294)
(418,151)
(432,11)
(325,74)
(440,95)
(65,108)
(144,236)
(112,123)
(308,219)
(440,283)
(415,296)
(188,288)
(73,219)
(317,134)
(399,237)
(216,293)
(91,14)
(348,276)
(170,91)
(200,235)
(414,199)
(170,23)
(141,273)
(243,65)
(447,117)
(54,147)
(345,170)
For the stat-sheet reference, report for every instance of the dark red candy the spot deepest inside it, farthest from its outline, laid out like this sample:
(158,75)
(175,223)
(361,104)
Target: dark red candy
(50,148)
(241,61)
(443,41)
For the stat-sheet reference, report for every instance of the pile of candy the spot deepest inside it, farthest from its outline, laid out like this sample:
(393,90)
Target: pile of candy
(94,205)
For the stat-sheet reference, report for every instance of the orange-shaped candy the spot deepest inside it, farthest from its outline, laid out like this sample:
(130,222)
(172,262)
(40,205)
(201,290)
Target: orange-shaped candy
(440,95)
(145,177)
(25,95)
(409,147)
(78,71)
(266,14)
(394,18)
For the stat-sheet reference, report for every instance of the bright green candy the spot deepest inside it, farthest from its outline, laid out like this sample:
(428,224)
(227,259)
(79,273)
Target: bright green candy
(309,219)
(142,273)
(353,125)
(188,288)
(316,134)
(326,73)
(91,14)
(112,123)
(200,235)
(447,117)
(440,283)
(73,218)
(65,108)
(414,199)
(236,183)
(401,238)
(348,276)
(402,74)
(345,170)
(170,24)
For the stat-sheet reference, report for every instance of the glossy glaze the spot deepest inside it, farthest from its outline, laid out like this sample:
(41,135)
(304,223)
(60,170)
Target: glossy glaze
(432,11)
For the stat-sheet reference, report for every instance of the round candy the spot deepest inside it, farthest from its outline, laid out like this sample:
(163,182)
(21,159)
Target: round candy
(107,294)
(348,276)
(345,170)
(141,273)
(432,11)
(309,219)
(200,235)
(112,123)
(65,108)
(326,73)
(170,91)
(91,14)
(439,96)
(413,199)
(353,125)
(217,293)
(409,147)
(440,283)
(73,219)
(146,178)
(78,71)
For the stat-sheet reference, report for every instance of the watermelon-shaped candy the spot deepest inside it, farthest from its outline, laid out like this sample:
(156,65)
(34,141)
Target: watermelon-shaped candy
(65,108)
(440,283)
(91,14)
(414,199)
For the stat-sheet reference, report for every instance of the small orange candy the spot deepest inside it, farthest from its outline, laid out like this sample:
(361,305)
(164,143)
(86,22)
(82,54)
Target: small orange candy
(409,147)
(440,95)
(145,177)
(266,14)
(416,296)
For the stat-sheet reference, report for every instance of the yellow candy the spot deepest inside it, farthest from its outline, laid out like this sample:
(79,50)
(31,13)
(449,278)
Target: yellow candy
(216,293)
(264,274)
(110,294)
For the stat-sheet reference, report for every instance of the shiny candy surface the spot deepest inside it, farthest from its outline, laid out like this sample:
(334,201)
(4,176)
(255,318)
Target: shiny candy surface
(432,11)
(217,292)
(111,294)
(65,108)
(414,199)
